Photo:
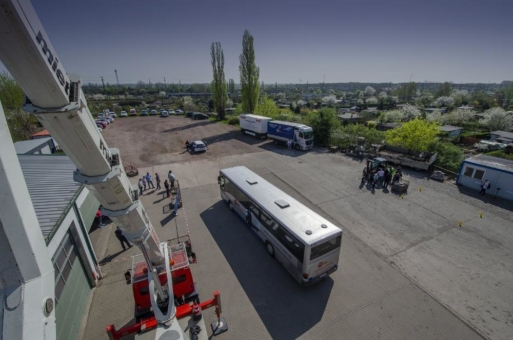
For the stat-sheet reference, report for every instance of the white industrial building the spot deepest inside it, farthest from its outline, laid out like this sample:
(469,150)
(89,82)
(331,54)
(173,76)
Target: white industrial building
(498,171)
(65,210)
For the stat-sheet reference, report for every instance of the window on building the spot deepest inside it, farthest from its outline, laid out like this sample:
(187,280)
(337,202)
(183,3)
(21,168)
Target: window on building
(479,174)
(468,171)
(63,260)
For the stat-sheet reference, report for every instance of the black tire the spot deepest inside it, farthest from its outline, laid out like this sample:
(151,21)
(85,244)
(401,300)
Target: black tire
(230,205)
(298,148)
(275,142)
(270,249)
(242,131)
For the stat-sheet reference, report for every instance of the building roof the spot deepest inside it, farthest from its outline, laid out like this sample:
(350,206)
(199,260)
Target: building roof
(450,128)
(43,133)
(492,162)
(27,146)
(51,186)
(504,134)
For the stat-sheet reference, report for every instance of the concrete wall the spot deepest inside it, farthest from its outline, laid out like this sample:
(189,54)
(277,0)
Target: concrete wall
(497,178)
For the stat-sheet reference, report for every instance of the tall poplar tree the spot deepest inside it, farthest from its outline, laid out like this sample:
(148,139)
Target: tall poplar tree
(249,74)
(218,85)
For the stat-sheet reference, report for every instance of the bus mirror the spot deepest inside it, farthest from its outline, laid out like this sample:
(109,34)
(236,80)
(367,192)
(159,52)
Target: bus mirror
(218,179)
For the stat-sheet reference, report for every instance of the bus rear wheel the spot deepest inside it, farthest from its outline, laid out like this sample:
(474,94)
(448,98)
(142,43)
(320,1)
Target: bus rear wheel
(270,249)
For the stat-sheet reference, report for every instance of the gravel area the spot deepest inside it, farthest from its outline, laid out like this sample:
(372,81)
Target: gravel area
(152,140)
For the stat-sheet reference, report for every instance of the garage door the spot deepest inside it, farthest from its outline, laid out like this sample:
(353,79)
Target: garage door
(88,209)
(71,289)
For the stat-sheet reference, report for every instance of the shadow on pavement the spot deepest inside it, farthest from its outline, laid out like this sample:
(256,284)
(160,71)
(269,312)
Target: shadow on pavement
(233,135)
(287,309)
(111,257)
(489,198)
(167,219)
(189,126)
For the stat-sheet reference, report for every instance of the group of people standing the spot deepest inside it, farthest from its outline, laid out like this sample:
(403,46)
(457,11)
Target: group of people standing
(146,183)
(381,177)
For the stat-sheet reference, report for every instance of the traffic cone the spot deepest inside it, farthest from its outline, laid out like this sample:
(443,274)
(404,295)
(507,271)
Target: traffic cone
(196,312)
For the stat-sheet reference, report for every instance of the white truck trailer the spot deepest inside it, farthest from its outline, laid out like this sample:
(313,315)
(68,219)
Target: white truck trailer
(253,125)
(301,135)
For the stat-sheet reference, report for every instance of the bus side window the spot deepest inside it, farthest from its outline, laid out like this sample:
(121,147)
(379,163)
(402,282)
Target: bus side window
(300,135)
(292,244)
(269,223)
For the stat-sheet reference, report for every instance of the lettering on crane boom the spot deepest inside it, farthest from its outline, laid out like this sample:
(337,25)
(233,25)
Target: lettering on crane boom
(53,61)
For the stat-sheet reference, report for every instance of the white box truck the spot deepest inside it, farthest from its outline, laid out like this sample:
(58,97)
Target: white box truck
(253,125)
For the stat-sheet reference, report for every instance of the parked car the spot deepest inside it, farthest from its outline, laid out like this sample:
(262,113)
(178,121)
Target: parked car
(198,146)
(123,114)
(114,115)
(133,112)
(164,114)
(102,123)
(179,112)
(189,114)
(198,116)
(99,128)
(153,112)
(144,112)
(171,112)
(99,125)
(109,119)
(100,115)
(103,120)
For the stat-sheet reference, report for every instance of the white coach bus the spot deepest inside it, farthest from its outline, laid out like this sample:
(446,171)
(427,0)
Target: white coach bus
(305,243)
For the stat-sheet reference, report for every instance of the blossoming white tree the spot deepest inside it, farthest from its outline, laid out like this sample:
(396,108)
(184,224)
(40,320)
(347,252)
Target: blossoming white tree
(497,119)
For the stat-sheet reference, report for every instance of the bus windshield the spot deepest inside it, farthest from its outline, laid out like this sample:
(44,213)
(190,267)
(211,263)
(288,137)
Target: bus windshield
(325,247)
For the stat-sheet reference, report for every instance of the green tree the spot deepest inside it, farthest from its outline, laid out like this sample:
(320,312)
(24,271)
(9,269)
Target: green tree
(449,155)
(407,91)
(249,74)
(265,107)
(323,122)
(417,134)
(218,85)
(231,86)
(346,135)
(443,90)
(21,124)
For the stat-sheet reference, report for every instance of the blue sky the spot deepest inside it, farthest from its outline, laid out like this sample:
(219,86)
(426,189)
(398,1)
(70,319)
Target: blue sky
(360,41)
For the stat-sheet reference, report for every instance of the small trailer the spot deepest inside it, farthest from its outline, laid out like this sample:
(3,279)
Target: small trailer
(418,160)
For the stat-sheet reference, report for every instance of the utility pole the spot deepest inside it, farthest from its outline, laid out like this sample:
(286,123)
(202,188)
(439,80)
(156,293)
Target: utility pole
(323,84)
(103,83)
(165,82)
(117,79)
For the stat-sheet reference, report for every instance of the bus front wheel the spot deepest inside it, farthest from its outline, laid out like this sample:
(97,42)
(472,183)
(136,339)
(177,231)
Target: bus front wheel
(270,249)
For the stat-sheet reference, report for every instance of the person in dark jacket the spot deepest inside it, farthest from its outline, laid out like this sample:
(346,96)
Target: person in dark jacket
(157,178)
(166,185)
(388,178)
(122,238)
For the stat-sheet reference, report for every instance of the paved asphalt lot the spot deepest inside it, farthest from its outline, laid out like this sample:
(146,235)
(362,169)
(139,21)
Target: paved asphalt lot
(407,270)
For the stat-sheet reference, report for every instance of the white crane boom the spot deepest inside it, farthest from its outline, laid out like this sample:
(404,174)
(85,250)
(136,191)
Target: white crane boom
(56,99)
